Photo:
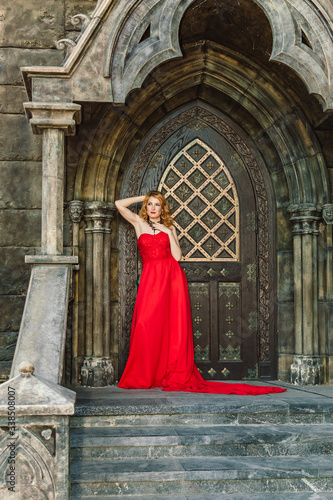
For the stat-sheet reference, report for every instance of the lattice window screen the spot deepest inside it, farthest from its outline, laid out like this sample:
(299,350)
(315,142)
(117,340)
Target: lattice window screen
(204,202)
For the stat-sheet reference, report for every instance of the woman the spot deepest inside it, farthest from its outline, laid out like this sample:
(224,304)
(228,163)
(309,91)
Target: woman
(161,346)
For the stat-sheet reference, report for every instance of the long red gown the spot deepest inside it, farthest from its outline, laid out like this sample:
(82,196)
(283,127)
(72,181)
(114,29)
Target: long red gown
(161,346)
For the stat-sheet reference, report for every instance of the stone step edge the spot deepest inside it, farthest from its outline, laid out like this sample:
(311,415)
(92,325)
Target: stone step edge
(222,435)
(318,495)
(194,469)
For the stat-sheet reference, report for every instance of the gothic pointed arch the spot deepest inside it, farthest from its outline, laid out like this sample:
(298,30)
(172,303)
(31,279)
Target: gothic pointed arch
(148,168)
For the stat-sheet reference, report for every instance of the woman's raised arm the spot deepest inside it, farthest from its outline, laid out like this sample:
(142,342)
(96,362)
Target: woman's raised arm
(125,212)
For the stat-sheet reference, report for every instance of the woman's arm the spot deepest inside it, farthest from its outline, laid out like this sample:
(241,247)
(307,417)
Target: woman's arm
(174,243)
(125,212)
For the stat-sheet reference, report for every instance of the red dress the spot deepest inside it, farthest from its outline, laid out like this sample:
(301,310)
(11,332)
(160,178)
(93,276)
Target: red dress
(161,346)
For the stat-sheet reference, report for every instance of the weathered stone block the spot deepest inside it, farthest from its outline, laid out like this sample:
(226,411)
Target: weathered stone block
(20,184)
(285,327)
(284,240)
(284,364)
(12,99)
(7,345)
(11,307)
(285,281)
(20,228)
(14,273)
(280,188)
(4,370)
(17,142)
(11,59)
(31,24)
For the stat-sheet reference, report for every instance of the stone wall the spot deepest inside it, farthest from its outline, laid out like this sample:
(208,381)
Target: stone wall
(28,32)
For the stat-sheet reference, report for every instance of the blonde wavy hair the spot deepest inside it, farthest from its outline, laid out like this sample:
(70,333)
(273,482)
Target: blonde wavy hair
(166,218)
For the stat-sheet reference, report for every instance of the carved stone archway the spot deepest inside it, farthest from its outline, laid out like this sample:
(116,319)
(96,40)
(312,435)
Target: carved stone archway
(144,174)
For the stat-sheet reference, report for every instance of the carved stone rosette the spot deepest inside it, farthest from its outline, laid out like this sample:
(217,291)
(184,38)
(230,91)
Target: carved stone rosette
(307,368)
(97,369)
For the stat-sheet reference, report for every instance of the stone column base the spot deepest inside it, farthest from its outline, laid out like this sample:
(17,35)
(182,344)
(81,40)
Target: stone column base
(307,370)
(97,372)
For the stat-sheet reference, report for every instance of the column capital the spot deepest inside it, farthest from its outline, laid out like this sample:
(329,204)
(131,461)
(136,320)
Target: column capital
(98,215)
(51,115)
(305,218)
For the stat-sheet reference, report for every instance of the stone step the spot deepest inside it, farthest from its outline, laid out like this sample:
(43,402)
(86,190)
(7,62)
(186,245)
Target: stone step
(208,415)
(252,496)
(180,441)
(201,475)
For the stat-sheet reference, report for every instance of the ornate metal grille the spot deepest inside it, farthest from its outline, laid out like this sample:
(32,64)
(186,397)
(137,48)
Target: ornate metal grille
(204,202)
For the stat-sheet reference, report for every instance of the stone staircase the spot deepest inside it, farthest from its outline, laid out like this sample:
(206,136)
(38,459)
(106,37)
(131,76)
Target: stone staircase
(252,448)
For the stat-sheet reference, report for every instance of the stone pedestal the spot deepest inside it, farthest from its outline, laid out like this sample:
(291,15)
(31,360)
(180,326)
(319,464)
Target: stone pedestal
(307,370)
(97,372)
(34,437)
(97,369)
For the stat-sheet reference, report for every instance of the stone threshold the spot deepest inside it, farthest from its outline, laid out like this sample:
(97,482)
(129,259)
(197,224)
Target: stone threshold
(115,401)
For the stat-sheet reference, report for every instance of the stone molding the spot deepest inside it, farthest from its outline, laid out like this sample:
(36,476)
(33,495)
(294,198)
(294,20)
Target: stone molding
(43,115)
(98,216)
(52,259)
(305,219)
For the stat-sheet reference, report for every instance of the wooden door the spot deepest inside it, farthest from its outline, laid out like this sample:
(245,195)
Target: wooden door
(214,208)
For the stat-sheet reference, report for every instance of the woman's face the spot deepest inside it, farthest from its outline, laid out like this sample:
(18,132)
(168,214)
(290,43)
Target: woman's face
(154,208)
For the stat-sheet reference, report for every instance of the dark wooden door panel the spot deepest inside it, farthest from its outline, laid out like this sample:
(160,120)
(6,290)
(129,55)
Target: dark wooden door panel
(214,206)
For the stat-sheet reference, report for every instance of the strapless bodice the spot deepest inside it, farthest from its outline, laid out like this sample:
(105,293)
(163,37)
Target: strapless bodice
(154,246)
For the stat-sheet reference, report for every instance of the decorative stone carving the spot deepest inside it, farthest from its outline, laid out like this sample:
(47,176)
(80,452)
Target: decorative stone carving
(97,369)
(66,44)
(40,439)
(97,372)
(83,19)
(76,208)
(297,29)
(307,370)
(328,213)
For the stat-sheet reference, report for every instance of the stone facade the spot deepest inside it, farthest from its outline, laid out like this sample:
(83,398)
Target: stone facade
(93,103)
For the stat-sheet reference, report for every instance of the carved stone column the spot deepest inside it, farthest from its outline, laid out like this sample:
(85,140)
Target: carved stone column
(97,368)
(54,122)
(307,368)
(76,208)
